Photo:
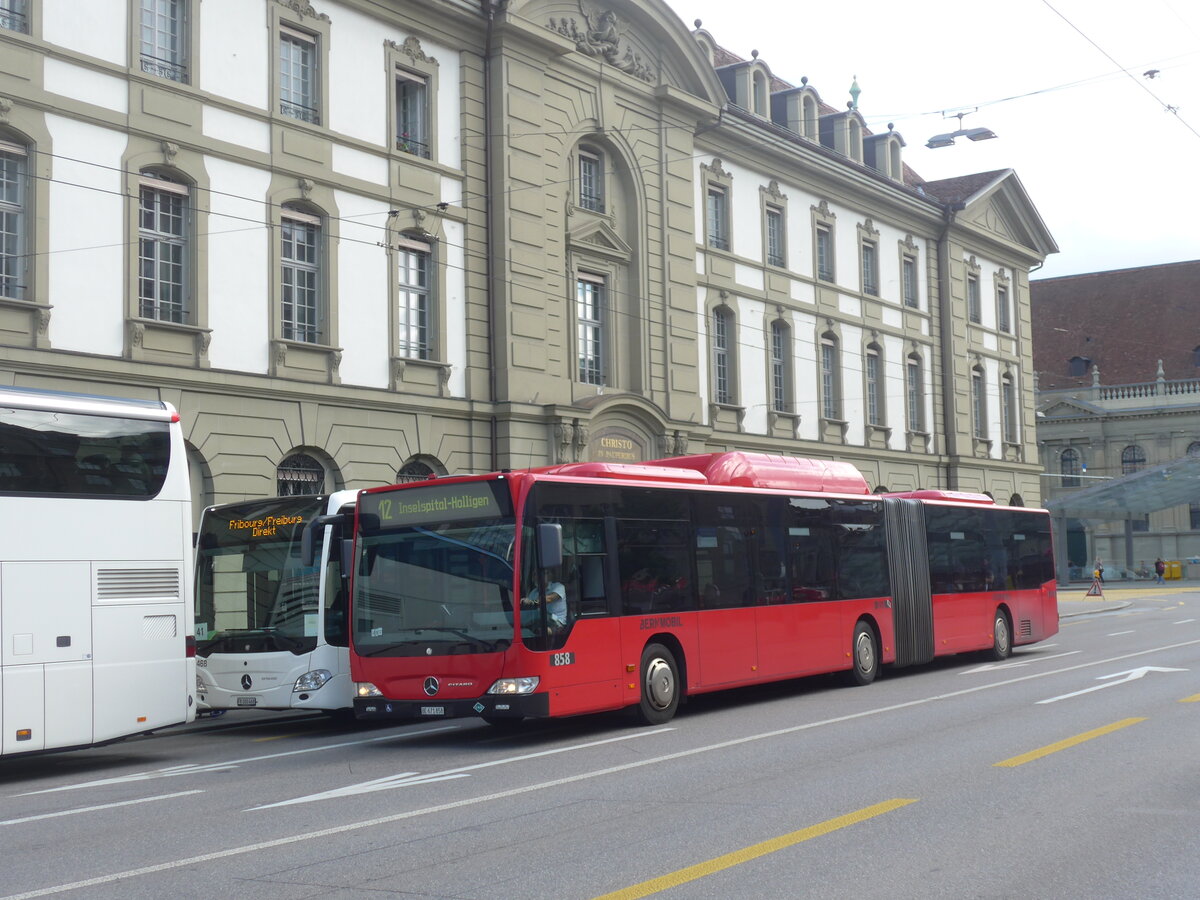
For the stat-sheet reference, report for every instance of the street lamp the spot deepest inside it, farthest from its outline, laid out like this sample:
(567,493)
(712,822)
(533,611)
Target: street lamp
(971,134)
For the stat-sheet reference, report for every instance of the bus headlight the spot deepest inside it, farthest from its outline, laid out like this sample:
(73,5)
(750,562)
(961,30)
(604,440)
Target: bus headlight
(366,689)
(311,681)
(515,685)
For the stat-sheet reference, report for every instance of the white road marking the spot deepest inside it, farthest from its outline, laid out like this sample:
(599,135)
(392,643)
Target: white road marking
(1131,675)
(194,768)
(1183,621)
(1017,663)
(83,809)
(407,779)
(1119,633)
(558,782)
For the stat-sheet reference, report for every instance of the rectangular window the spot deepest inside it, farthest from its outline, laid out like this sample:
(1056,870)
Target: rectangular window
(1002,318)
(412,114)
(298,76)
(978,406)
(718,226)
(779,367)
(722,374)
(591,181)
(14,15)
(13,263)
(300,277)
(911,292)
(870,269)
(974,312)
(916,406)
(775,238)
(163,39)
(1194,516)
(414,301)
(874,407)
(589,320)
(831,402)
(1009,410)
(824,253)
(162,242)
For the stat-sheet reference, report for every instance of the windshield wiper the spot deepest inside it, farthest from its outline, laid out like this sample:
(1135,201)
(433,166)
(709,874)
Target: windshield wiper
(466,636)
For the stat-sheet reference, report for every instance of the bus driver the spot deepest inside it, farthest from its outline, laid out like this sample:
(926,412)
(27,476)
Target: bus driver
(556,601)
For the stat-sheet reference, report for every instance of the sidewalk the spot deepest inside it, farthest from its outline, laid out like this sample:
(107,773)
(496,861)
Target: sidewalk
(1073,599)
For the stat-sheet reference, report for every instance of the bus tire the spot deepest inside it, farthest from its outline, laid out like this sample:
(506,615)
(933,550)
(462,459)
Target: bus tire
(1001,637)
(660,686)
(864,652)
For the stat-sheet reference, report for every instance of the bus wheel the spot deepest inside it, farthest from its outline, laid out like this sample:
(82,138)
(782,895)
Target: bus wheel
(660,686)
(865,653)
(1001,637)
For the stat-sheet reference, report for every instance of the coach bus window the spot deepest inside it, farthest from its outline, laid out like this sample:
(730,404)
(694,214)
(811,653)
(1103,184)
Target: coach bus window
(46,452)
(1027,544)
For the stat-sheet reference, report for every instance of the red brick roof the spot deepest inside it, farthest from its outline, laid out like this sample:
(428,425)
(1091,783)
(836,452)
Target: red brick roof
(1124,321)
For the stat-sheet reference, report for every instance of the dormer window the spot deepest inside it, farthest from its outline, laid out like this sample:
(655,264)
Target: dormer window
(1079,365)
(810,115)
(759,94)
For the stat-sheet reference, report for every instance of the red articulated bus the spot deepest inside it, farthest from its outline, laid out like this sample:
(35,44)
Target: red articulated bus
(595,586)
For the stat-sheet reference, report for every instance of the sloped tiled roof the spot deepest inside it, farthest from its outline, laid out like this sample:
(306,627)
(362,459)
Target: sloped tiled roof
(1124,321)
(957,190)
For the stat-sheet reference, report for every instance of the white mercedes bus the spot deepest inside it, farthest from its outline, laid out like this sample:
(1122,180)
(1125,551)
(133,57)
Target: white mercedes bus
(271,630)
(95,570)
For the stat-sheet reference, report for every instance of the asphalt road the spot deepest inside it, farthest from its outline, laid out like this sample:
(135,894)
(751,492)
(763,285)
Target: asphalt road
(1068,771)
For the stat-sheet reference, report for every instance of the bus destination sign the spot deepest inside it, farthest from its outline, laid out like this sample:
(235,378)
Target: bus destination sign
(268,526)
(473,500)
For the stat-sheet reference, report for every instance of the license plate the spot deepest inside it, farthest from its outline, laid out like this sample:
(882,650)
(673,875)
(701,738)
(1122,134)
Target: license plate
(247,701)
(433,710)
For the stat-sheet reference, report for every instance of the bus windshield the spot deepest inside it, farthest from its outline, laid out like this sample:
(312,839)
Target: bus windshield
(253,595)
(434,571)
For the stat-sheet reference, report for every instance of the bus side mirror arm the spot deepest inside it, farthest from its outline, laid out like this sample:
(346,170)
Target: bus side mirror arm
(308,540)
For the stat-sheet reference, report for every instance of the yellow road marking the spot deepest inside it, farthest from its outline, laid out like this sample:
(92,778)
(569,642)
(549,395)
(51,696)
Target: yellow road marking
(1069,742)
(274,737)
(1195,698)
(737,857)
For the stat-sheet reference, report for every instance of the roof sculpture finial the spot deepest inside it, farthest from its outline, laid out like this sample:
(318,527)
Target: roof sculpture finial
(855,90)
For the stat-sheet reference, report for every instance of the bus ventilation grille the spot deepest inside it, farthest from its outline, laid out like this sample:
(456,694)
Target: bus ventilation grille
(137,584)
(1026,628)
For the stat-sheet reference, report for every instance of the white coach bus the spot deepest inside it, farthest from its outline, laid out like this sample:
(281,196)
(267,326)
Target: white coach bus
(95,570)
(271,631)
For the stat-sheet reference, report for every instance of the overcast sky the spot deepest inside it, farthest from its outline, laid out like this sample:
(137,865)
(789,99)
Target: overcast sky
(1113,173)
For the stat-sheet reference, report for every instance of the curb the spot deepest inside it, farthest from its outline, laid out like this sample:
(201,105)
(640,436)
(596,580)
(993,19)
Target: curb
(1096,606)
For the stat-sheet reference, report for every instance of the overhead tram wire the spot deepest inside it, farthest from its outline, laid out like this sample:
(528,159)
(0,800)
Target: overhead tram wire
(1139,82)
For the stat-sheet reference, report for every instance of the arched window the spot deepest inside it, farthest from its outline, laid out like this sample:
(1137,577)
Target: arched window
(1194,507)
(810,112)
(759,87)
(415,470)
(300,474)
(415,313)
(880,489)
(1078,365)
(978,404)
(1068,467)
(1133,459)
(1016,500)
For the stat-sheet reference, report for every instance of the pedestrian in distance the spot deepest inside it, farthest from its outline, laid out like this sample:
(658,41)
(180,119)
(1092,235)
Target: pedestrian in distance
(1098,572)
(1160,569)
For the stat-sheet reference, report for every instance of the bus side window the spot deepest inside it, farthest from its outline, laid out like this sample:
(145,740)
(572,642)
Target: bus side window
(592,598)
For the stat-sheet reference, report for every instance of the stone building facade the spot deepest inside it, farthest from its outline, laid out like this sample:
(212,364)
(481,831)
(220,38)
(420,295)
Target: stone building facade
(1118,363)
(360,241)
